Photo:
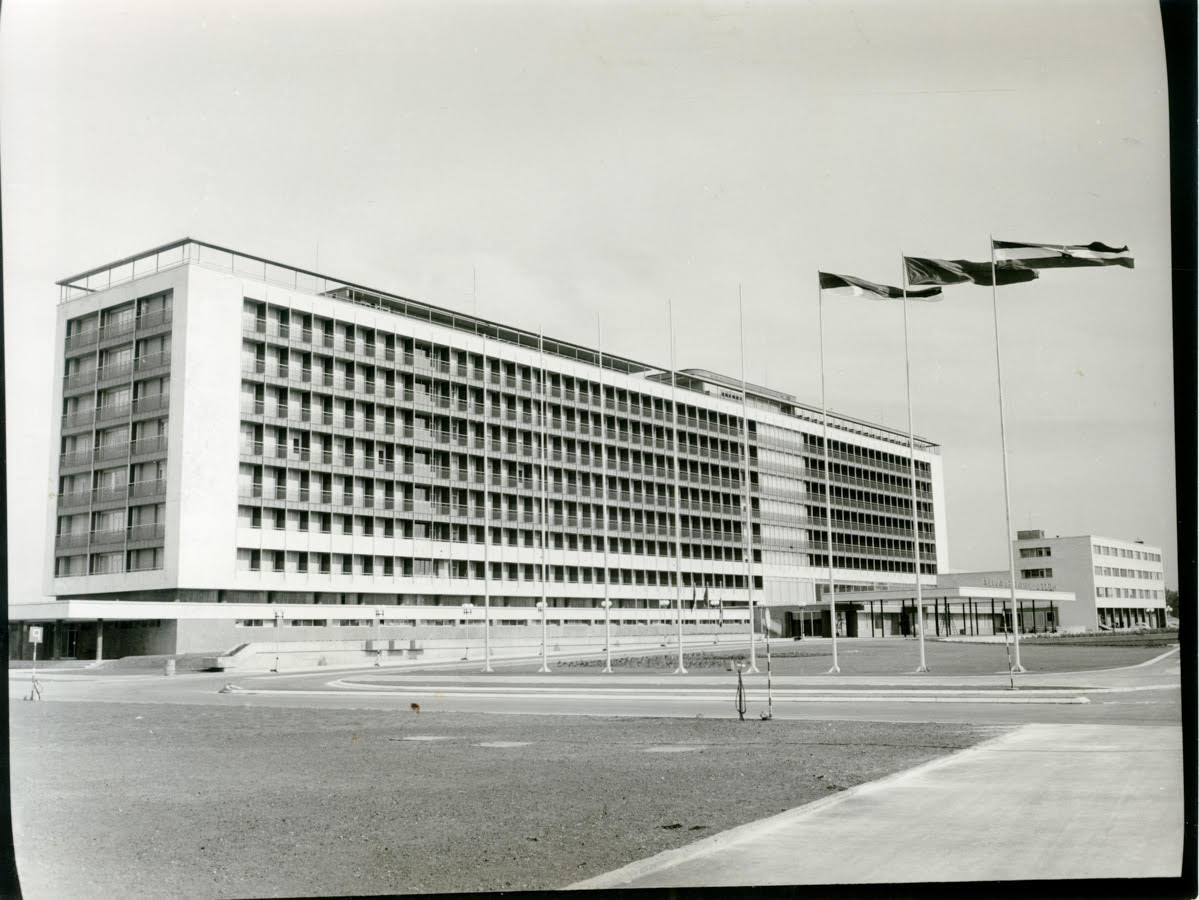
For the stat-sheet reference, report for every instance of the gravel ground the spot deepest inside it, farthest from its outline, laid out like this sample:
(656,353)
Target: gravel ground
(148,800)
(889,657)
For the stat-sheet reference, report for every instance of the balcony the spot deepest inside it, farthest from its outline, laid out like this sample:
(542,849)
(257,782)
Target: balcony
(112,451)
(112,411)
(154,319)
(118,329)
(79,380)
(152,531)
(116,536)
(115,372)
(75,458)
(151,403)
(66,541)
(153,488)
(82,339)
(152,361)
(79,419)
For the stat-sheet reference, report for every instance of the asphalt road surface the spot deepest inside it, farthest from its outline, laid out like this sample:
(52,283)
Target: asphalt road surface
(1139,695)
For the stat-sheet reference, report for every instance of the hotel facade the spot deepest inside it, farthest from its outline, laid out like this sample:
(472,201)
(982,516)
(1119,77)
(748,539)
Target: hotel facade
(246,450)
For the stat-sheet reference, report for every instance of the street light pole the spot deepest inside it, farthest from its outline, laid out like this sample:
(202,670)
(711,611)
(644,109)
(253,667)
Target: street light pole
(545,665)
(681,670)
(467,609)
(607,605)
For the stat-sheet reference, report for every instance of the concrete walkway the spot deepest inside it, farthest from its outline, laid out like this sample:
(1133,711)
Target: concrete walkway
(1042,802)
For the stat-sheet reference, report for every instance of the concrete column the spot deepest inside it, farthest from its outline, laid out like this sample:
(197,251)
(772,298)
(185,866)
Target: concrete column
(99,639)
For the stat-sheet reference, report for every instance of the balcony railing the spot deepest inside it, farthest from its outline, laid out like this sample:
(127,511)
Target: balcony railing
(143,446)
(153,319)
(115,536)
(152,361)
(115,371)
(151,402)
(74,499)
(153,488)
(112,411)
(75,458)
(116,329)
(83,338)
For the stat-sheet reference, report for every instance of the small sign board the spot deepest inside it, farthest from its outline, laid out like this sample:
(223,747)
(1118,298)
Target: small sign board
(35,634)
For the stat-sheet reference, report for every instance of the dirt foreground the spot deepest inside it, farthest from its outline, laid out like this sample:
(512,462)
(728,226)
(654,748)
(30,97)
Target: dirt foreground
(155,800)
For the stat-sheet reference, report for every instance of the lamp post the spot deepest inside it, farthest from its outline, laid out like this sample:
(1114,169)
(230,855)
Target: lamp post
(278,625)
(378,636)
(545,665)
(487,632)
(467,609)
(607,605)
(665,604)
(681,670)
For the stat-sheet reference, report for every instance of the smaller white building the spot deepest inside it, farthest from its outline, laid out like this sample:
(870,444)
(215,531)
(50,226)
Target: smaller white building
(1118,583)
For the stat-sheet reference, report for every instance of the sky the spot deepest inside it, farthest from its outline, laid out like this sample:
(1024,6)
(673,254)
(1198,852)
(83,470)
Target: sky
(547,164)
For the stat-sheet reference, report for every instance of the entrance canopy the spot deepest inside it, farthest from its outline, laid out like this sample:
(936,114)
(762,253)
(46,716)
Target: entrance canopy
(1001,596)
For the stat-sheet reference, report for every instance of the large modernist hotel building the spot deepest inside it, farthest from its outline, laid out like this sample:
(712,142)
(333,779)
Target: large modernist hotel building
(242,443)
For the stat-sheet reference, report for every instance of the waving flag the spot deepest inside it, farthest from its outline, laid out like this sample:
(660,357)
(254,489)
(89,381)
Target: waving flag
(848,286)
(1059,256)
(960,271)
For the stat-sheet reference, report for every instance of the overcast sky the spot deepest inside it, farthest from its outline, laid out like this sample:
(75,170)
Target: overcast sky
(602,157)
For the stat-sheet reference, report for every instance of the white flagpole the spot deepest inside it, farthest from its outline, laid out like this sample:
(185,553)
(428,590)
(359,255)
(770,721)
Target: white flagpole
(607,604)
(678,500)
(545,664)
(749,539)
(828,494)
(907,366)
(486,507)
(1007,491)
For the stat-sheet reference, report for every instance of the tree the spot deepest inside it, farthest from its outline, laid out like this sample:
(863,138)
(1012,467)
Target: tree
(1172,602)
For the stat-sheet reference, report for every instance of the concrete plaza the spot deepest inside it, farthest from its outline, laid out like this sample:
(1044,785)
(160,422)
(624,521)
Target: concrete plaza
(1043,802)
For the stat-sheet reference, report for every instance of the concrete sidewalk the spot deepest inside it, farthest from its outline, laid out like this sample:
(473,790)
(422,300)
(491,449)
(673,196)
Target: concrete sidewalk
(1043,802)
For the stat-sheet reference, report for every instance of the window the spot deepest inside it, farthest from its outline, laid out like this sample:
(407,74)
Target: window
(1036,573)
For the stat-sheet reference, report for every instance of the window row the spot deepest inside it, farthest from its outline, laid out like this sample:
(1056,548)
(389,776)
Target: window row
(295,562)
(1115,572)
(1130,593)
(119,362)
(1125,553)
(928,565)
(109,563)
(116,321)
(847,452)
(114,442)
(379,344)
(367,526)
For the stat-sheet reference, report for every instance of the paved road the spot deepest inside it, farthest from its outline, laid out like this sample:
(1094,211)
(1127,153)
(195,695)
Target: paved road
(1146,694)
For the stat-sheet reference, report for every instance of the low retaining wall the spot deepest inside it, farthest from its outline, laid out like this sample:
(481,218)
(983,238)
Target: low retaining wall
(265,656)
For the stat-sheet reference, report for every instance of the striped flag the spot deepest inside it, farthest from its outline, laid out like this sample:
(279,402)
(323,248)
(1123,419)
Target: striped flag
(848,286)
(1060,256)
(960,271)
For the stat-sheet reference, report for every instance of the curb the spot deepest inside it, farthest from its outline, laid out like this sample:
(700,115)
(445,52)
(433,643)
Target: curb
(341,689)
